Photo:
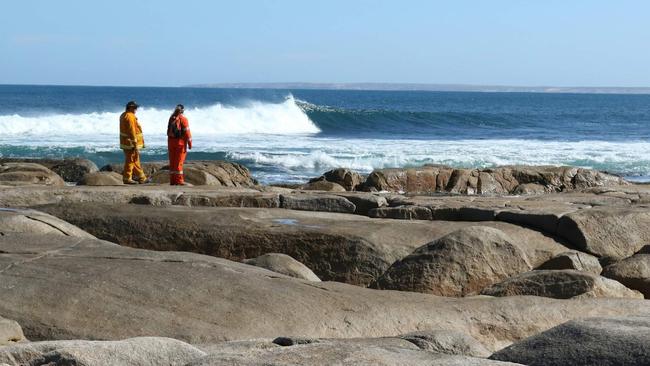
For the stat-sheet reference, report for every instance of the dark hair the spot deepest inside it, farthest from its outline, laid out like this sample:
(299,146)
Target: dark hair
(178,110)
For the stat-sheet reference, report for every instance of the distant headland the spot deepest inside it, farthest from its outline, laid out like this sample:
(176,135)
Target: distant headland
(430,87)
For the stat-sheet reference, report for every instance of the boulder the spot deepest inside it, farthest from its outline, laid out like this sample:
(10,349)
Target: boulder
(429,178)
(458,264)
(282,263)
(591,341)
(15,174)
(210,173)
(101,179)
(10,332)
(58,287)
(316,202)
(574,260)
(377,351)
(633,272)
(448,342)
(346,178)
(35,222)
(608,231)
(141,351)
(70,169)
(560,284)
(323,185)
(364,202)
(73,170)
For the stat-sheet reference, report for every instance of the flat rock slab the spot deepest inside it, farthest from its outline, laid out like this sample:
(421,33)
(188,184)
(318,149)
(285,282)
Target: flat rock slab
(561,284)
(146,194)
(56,287)
(607,232)
(345,248)
(595,341)
(35,222)
(142,351)
(316,202)
(383,352)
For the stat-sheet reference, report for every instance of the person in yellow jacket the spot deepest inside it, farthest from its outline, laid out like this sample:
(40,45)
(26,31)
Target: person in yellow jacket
(131,141)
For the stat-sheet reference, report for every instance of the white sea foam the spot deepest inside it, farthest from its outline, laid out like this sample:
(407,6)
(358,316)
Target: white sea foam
(277,142)
(254,117)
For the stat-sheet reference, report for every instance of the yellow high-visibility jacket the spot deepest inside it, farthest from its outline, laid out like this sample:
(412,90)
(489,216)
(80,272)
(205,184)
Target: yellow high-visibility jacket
(130,132)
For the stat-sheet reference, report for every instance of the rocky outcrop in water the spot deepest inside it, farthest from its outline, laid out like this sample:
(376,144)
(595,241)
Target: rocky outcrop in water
(501,180)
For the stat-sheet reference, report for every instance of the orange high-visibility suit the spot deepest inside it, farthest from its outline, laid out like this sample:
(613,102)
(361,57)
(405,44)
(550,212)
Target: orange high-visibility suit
(179,138)
(131,141)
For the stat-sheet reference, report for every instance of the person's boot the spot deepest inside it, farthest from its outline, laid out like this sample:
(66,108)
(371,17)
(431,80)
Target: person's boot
(144,180)
(129,181)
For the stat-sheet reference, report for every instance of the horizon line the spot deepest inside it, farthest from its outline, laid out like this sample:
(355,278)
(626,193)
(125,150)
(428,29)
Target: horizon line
(383,86)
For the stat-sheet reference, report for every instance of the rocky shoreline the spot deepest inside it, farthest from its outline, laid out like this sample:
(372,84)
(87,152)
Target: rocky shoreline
(420,266)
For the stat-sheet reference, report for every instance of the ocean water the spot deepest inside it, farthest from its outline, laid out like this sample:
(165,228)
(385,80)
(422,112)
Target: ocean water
(291,135)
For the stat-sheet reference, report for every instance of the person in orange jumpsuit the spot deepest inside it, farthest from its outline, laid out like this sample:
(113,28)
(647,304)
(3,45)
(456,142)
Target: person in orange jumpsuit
(179,139)
(131,141)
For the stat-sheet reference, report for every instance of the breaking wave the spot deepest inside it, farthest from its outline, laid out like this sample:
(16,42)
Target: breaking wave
(284,118)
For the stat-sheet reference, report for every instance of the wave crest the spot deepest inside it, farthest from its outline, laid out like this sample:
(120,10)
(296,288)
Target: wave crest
(285,118)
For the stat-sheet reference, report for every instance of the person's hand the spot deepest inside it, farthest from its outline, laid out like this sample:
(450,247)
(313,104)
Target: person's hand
(189,144)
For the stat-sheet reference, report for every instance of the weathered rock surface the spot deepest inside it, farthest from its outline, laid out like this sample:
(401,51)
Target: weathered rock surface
(149,167)
(501,180)
(428,178)
(30,196)
(633,272)
(316,202)
(348,179)
(10,332)
(458,264)
(560,284)
(607,232)
(368,352)
(282,263)
(323,185)
(347,248)
(210,173)
(142,351)
(594,341)
(409,212)
(71,170)
(574,260)
(30,221)
(200,299)
(448,342)
(15,174)
(101,179)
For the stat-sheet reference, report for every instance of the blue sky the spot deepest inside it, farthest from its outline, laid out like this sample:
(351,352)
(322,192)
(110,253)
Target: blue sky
(527,43)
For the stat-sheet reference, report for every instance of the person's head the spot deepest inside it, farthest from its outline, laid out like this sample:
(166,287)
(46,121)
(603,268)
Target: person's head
(131,106)
(179,109)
